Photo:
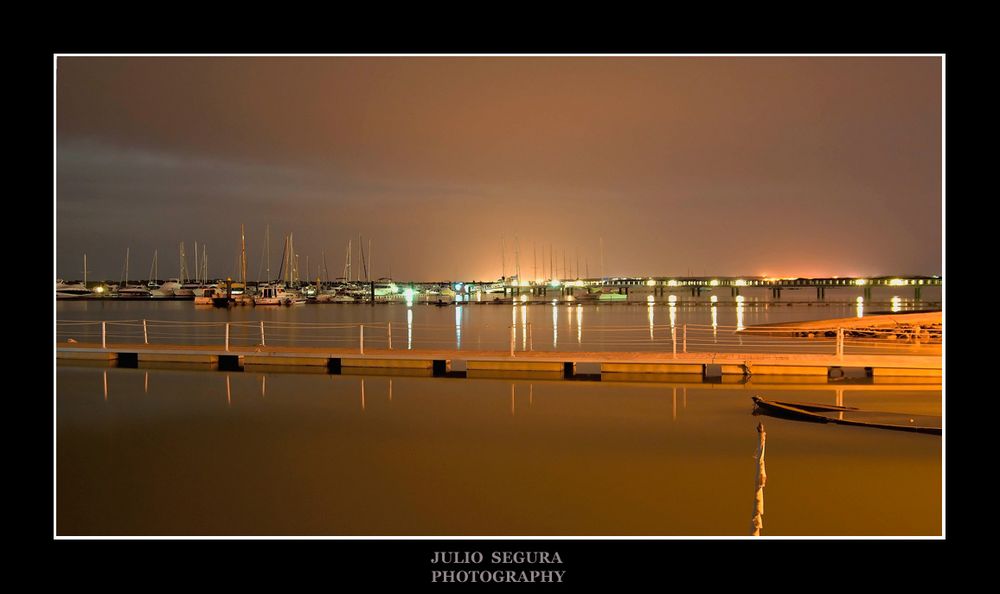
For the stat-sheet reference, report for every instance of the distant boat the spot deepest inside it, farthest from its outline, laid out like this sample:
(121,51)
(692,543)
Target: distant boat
(167,289)
(273,295)
(845,415)
(71,290)
(133,291)
(208,294)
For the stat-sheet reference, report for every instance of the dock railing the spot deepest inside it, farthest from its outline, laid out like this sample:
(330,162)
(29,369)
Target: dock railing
(513,338)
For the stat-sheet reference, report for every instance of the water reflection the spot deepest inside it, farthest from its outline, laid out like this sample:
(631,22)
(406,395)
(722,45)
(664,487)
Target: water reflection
(649,316)
(229,393)
(739,314)
(105,385)
(862,467)
(579,324)
(263,386)
(409,328)
(524,326)
(145,384)
(673,315)
(897,304)
(715,324)
(675,404)
(362,394)
(531,394)
(555,325)
(861,307)
(458,327)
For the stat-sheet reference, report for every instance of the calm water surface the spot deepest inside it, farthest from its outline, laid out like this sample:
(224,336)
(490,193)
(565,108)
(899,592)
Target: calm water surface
(178,452)
(564,327)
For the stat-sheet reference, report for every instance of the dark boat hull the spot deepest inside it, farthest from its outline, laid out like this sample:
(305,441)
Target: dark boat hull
(812,413)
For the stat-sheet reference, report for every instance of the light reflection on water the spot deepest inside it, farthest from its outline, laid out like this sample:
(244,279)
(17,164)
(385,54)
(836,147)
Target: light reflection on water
(309,460)
(483,326)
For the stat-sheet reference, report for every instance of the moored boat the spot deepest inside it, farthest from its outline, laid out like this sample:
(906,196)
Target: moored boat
(845,415)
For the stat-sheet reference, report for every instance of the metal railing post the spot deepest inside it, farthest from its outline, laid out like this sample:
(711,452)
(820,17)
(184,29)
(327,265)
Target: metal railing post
(262,343)
(145,333)
(362,339)
(104,335)
(513,338)
(389,332)
(685,338)
(227,336)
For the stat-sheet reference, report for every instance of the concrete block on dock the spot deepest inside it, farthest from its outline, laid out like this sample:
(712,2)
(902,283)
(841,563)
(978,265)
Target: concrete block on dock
(905,372)
(277,360)
(177,358)
(387,371)
(668,378)
(758,369)
(387,363)
(514,374)
(662,368)
(86,356)
(516,365)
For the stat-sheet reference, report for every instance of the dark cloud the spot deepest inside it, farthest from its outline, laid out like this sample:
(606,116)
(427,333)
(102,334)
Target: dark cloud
(807,166)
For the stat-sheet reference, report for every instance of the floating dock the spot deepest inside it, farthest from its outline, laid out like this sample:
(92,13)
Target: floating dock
(649,365)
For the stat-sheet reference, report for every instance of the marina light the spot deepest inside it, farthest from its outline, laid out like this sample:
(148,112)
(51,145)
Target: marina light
(651,283)
(714,283)
(672,299)
(741,283)
(555,301)
(860,282)
(715,299)
(739,299)
(555,282)
(524,298)
(672,283)
(649,299)
(98,289)
(860,300)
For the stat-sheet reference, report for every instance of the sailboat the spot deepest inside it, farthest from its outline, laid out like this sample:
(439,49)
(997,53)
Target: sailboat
(128,291)
(77,290)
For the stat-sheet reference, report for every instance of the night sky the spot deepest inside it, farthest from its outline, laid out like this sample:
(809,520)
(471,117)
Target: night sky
(707,166)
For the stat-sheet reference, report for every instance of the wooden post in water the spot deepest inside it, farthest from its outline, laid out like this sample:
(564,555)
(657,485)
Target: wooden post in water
(757,521)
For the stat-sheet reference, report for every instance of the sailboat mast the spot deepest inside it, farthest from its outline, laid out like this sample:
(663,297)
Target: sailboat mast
(243,258)
(602,257)
(503,259)
(371,270)
(85,270)
(197,271)
(347,262)
(126,266)
(267,244)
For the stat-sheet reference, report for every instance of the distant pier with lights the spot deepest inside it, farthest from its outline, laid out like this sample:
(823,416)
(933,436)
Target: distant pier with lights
(722,289)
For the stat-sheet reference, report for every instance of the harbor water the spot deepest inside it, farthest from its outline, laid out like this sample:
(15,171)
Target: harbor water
(154,451)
